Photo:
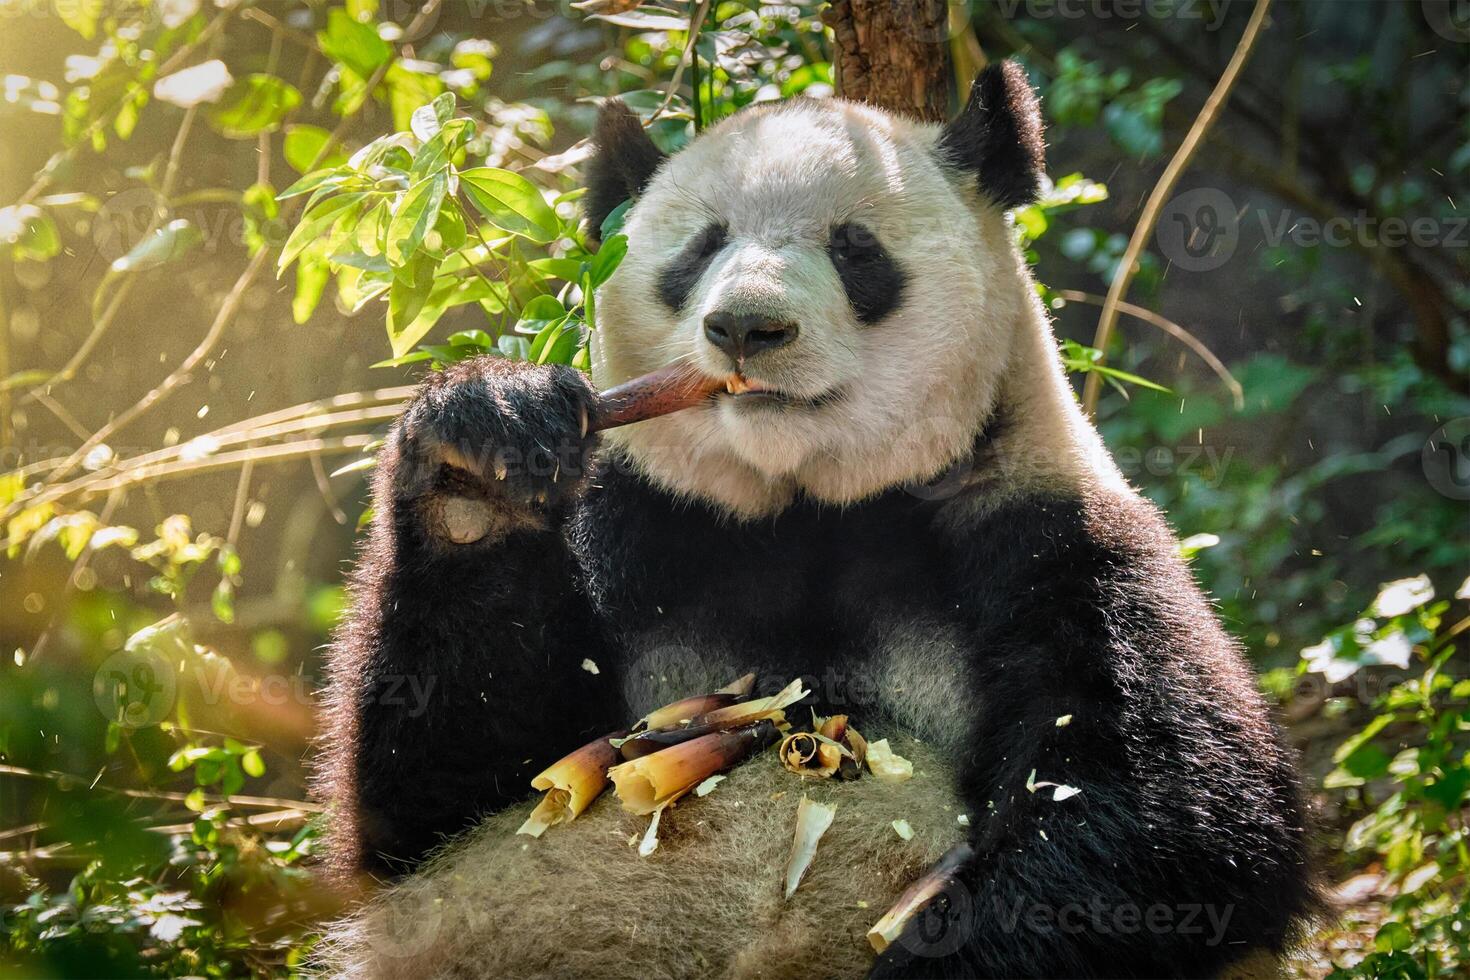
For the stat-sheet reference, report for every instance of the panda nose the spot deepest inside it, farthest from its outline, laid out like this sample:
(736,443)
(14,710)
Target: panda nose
(740,335)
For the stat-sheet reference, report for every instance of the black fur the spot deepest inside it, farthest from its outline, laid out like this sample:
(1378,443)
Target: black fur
(1072,608)
(1068,641)
(624,162)
(873,280)
(428,722)
(997,136)
(678,279)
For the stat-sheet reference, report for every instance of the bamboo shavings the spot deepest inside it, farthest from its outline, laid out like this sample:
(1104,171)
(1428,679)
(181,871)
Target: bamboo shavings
(571,784)
(944,873)
(886,764)
(812,821)
(649,844)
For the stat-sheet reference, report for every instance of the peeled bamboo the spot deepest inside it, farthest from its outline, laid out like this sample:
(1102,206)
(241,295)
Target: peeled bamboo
(651,781)
(944,873)
(571,784)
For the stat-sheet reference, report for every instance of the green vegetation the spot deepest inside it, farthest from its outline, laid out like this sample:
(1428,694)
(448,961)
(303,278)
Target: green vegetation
(413,168)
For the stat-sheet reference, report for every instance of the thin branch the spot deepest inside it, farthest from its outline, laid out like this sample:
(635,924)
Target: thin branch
(233,300)
(696,24)
(1237,393)
(1160,195)
(104,322)
(67,780)
(43,179)
(284,452)
(242,494)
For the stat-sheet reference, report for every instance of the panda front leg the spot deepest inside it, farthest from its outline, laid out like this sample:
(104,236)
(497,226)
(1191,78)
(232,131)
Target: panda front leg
(458,673)
(1134,811)
(1073,871)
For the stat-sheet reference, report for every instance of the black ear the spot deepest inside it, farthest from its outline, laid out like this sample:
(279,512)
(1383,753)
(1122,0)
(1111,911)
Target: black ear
(621,166)
(998,136)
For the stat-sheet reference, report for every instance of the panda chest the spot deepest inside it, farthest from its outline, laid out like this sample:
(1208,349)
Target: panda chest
(856,603)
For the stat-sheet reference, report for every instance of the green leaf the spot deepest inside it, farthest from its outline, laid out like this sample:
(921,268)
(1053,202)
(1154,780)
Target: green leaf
(411,358)
(567,270)
(317,221)
(253,764)
(437,152)
(511,202)
(406,299)
(613,223)
(539,313)
(312,273)
(607,259)
(416,214)
(253,105)
(80,17)
(1393,937)
(427,120)
(304,144)
(354,44)
(325,178)
(545,339)
(172,241)
(30,232)
(408,89)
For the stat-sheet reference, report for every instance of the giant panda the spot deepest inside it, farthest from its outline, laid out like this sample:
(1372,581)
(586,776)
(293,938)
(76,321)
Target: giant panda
(908,508)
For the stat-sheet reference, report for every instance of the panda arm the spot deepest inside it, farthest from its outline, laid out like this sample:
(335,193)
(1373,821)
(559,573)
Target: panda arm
(1176,845)
(458,673)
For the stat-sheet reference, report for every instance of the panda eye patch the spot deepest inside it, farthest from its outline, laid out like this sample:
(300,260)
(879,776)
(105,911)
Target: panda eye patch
(679,277)
(872,279)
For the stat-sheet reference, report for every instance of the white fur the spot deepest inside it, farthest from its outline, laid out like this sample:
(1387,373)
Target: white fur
(919,384)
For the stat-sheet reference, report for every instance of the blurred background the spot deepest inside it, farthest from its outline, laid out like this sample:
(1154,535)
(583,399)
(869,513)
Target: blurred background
(203,333)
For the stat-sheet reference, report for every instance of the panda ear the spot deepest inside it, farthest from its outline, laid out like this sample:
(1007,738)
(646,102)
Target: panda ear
(622,165)
(997,137)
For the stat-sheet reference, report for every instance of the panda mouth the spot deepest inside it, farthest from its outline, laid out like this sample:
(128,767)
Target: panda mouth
(747,391)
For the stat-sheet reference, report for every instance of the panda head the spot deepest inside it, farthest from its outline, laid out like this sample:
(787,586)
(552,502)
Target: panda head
(854,267)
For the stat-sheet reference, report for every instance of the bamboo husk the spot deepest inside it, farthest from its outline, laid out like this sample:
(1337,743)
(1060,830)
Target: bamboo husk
(571,784)
(834,748)
(685,710)
(944,873)
(812,821)
(651,781)
(761,709)
(886,764)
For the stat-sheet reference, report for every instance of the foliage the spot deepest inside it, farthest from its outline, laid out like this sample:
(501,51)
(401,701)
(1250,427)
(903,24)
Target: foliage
(419,170)
(1408,772)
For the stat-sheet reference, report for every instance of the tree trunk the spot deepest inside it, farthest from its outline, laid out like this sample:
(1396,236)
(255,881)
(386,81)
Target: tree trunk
(893,54)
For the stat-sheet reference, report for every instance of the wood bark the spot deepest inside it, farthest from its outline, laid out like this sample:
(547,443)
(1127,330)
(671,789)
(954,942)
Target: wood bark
(893,54)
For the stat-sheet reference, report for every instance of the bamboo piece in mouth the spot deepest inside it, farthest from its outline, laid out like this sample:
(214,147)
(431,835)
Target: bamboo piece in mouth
(669,389)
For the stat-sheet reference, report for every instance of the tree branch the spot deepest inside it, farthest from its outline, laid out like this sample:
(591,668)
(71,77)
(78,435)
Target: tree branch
(1144,229)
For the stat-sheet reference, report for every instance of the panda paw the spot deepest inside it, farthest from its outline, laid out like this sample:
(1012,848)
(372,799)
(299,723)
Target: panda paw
(490,445)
